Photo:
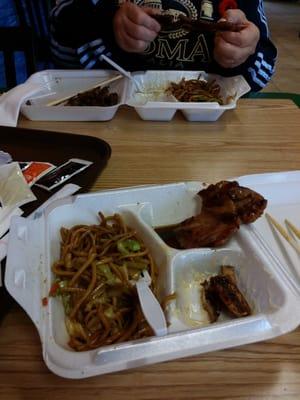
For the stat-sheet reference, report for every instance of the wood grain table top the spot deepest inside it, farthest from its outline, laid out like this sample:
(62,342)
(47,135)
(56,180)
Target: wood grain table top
(258,136)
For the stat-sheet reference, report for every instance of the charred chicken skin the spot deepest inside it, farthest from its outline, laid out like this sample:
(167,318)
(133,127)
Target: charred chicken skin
(225,206)
(229,295)
(168,21)
(221,293)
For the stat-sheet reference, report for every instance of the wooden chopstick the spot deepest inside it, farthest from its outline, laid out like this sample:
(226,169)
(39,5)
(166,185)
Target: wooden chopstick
(283,232)
(293,228)
(102,83)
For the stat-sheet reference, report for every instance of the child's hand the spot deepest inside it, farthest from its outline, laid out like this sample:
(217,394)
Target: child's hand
(233,48)
(134,28)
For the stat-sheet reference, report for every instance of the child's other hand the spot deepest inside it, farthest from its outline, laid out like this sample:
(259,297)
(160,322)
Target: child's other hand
(233,48)
(134,28)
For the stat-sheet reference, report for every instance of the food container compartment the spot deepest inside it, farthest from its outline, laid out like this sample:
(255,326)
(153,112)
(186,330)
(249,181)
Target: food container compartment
(57,84)
(262,277)
(152,105)
(191,268)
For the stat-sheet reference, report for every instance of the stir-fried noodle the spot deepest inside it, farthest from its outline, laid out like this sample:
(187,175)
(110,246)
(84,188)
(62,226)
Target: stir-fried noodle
(95,278)
(196,90)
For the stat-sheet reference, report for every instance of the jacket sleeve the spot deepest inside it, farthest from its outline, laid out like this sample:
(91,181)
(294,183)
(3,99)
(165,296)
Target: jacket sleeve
(260,67)
(81,31)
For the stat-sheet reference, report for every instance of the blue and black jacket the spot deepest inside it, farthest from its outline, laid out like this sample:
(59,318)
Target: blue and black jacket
(81,31)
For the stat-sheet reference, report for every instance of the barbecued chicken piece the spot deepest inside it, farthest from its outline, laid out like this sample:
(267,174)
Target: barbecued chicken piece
(199,25)
(213,226)
(216,194)
(169,21)
(225,206)
(208,229)
(229,295)
(210,302)
(249,205)
(228,271)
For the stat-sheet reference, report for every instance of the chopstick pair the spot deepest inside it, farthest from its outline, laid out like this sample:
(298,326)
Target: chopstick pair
(102,83)
(285,232)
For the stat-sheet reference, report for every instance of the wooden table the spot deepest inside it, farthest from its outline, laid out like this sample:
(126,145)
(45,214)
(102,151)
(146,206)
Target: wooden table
(259,136)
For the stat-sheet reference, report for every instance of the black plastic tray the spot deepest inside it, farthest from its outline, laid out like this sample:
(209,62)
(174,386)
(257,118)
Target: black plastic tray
(57,148)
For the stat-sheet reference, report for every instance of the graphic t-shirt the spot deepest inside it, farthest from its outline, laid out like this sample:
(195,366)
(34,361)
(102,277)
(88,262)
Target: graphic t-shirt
(82,31)
(178,48)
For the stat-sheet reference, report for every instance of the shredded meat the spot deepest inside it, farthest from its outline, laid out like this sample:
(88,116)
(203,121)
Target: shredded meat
(100,96)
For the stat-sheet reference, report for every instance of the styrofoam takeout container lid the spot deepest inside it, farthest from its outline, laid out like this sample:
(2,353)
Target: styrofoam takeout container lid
(152,104)
(266,275)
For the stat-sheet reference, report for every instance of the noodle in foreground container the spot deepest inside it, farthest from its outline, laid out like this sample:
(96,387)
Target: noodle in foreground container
(268,279)
(152,103)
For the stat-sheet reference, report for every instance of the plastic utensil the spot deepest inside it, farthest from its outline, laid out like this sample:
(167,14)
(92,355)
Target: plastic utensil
(123,72)
(150,305)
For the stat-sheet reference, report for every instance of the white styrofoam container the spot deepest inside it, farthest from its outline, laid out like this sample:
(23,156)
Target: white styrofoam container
(154,109)
(57,84)
(269,280)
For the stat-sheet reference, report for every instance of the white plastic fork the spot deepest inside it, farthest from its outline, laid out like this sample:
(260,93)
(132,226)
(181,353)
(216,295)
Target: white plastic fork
(150,305)
(136,83)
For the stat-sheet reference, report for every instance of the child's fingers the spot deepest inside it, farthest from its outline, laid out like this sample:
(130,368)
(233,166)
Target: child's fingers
(134,29)
(139,16)
(245,38)
(235,16)
(139,32)
(133,45)
(239,39)
(229,55)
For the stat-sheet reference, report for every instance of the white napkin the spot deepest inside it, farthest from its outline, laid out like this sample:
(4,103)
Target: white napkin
(11,101)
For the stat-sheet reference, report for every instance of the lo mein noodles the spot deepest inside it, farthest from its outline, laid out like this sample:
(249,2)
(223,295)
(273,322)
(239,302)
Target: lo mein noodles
(196,90)
(95,279)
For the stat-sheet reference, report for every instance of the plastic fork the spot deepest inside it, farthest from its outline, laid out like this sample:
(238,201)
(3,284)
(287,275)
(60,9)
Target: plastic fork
(150,305)
(123,72)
